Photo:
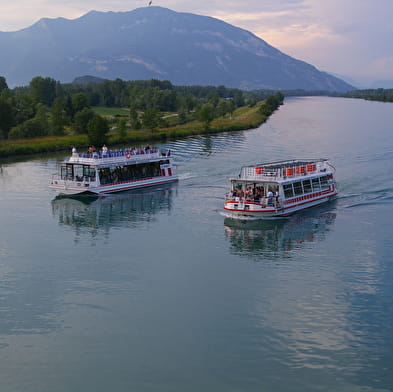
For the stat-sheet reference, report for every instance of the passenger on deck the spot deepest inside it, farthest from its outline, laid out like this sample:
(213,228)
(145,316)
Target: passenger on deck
(90,151)
(276,200)
(270,198)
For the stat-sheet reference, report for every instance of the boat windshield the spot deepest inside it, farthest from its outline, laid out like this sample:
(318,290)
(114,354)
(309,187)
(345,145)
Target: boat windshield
(77,172)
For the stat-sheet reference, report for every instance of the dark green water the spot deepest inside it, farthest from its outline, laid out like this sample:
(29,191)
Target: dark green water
(156,291)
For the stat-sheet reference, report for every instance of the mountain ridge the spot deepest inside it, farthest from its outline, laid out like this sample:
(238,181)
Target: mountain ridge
(154,42)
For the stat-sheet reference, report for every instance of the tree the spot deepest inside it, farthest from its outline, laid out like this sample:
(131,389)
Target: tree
(122,129)
(68,108)
(151,119)
(35,127)
(222,107)
(134,119)
(3,84)
(271,103)
(213,98)
(80,101)
(16,132)
(57,117)
(43,90)
(81,119)
(189,103)
(97,130)
(182,117)
(6,118)
(24,107)
(238,98)
(231,108)
(206,114)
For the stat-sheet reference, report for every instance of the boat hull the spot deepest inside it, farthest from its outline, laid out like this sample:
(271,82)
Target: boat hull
(246,210)
(72,188)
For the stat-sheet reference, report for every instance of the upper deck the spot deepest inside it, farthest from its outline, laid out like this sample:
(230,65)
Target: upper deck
(122,157)
(284,170)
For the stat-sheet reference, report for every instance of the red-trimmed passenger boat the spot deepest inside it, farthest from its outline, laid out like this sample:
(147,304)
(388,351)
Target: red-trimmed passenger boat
(109,171)
(278,189)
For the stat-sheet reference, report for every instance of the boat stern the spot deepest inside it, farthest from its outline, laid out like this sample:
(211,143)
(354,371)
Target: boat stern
(72,187)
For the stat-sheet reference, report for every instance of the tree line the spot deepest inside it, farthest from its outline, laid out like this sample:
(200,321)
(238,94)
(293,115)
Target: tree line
(46,107)
(379,94)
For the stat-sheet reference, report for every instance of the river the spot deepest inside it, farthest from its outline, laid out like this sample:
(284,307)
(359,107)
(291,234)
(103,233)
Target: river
(155,290)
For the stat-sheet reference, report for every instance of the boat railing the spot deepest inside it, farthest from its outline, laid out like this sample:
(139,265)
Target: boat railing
(115,156)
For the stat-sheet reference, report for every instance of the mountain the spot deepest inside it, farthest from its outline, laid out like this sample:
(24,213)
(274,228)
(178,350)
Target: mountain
(154,42)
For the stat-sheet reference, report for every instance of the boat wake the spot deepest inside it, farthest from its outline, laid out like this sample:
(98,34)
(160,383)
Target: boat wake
(377,197)
(186,176)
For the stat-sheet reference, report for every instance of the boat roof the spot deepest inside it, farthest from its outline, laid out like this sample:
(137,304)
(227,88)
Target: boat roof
(290,163)
(286,170)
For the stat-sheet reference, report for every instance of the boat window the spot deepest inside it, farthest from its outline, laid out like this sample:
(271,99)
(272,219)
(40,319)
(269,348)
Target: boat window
(105,176)
(324,182)
(89,171)
(288,190)
(297,187)
(129,172)
(307,186)
(78,172)
(66,172)
(237,185)
(315,184)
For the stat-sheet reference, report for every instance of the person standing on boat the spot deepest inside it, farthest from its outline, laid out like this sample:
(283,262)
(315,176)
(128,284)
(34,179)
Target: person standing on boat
(104,150)
(276,201)
(270,198)
(90,151)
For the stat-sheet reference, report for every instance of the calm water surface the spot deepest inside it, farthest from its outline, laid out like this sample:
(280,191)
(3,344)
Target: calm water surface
(155,290)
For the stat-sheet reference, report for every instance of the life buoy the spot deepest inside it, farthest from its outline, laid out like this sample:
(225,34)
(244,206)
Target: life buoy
(128,155)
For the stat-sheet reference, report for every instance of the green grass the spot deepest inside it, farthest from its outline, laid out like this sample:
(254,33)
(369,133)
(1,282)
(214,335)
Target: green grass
(243,118)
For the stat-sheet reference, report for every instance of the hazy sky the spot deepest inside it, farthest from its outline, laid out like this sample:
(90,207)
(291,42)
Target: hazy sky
(352,38)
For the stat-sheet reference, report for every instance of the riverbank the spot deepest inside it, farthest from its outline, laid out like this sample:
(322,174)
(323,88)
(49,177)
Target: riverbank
(243,118)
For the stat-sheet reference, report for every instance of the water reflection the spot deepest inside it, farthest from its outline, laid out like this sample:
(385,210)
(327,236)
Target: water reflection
(277,238)
(186,149)
(126,209)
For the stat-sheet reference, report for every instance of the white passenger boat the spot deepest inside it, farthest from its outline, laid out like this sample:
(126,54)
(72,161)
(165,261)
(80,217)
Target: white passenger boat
(278,189)
(111,171)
